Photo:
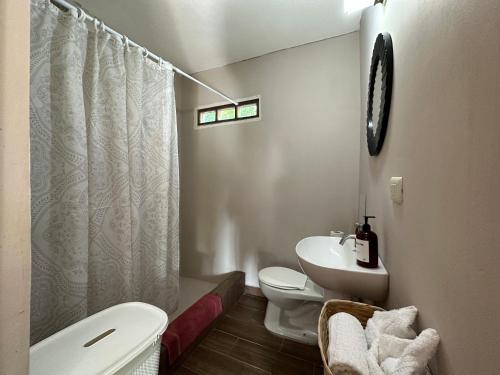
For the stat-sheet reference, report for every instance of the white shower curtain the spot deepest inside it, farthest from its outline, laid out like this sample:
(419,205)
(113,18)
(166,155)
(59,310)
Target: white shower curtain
(104,173)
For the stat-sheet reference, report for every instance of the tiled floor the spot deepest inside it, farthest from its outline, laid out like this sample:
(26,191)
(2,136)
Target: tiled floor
(240,344)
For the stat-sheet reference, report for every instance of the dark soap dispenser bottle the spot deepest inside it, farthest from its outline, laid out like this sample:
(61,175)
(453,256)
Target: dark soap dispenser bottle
(367,246)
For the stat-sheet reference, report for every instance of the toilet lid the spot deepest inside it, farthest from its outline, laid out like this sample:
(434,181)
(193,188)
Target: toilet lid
(283,278)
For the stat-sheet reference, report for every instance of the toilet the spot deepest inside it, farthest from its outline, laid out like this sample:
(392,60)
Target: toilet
(294,304)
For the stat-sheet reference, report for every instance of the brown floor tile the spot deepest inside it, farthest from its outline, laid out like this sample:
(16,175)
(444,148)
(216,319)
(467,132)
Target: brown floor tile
(240,344)
(303,351)
(255,302)
(250,331)
(270,360)
(207,362)
(219,341)
(318,370)
(242,312)
(184,371)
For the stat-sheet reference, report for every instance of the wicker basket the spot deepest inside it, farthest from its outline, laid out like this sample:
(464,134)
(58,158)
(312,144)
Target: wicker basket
(361,311)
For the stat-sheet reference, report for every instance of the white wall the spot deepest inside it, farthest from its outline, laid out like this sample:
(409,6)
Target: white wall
(441,246)
(250,192)
(14,187)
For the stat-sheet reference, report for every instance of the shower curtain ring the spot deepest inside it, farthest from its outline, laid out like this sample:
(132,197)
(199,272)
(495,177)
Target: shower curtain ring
(145,53)
(125,41)
(81,14)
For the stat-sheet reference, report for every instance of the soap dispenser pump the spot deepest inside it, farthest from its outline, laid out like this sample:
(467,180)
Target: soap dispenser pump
(367,246)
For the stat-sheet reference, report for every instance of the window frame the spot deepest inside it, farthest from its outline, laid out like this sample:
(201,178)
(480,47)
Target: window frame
(218,106)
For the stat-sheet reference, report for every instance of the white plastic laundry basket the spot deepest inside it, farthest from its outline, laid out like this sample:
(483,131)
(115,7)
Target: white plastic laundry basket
(123,339)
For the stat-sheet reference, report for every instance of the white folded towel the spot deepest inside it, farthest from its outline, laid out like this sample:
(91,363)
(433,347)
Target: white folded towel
(383,350)
(347,349)
(395,322)
(387,346)
(395,356)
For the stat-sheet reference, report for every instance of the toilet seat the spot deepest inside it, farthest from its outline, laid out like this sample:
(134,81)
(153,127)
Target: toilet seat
(283,278)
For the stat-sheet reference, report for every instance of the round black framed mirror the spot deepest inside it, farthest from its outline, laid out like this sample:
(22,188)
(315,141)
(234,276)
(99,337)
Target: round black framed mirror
(379,93)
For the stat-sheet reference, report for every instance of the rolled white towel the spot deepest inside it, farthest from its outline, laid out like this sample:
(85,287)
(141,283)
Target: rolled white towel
(390,366)
(395,322)
(383,352)
(395,356)
(347,347)
(417,354)
(373,365)
(391,347)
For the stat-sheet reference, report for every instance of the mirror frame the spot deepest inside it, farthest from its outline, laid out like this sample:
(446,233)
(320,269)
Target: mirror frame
(382,54)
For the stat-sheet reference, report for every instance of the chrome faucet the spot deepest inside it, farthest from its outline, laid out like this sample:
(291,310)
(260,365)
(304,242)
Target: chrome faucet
(346,237)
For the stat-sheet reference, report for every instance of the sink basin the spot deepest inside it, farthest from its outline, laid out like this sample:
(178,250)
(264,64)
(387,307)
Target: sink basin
(333,266)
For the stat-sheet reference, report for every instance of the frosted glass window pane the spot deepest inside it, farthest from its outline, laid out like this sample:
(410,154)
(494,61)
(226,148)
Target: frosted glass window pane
(247,110)
(226,114)
(206,117)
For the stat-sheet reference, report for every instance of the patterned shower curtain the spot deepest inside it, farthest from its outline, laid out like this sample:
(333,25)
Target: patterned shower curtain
(104,173)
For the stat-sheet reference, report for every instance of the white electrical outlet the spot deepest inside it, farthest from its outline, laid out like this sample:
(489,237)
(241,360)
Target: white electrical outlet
(396,186)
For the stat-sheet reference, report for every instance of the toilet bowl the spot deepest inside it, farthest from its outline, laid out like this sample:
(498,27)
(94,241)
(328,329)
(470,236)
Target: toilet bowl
(294,304)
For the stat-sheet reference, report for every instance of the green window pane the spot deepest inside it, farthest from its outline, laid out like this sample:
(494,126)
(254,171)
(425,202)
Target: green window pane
(207,117)
(247,110)
(228,113)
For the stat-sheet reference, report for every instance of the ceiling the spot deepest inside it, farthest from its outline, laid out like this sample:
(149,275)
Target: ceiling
(197,35)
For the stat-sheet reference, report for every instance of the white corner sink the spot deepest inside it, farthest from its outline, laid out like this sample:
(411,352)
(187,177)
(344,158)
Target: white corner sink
(333,266)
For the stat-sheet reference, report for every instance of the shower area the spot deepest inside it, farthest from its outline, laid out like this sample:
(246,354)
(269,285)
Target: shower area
(104,172)
(105,194)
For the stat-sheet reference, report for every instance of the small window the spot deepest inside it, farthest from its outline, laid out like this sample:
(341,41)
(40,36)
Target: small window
(207,117)
(225,114)
(246,109)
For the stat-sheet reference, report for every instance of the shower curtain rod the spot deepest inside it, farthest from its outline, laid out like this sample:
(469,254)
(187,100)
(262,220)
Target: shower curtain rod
(150,55)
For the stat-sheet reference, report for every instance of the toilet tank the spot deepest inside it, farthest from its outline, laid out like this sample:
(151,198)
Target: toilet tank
(123,339)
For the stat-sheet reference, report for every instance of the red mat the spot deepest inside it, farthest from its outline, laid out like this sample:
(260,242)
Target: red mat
(190,324)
